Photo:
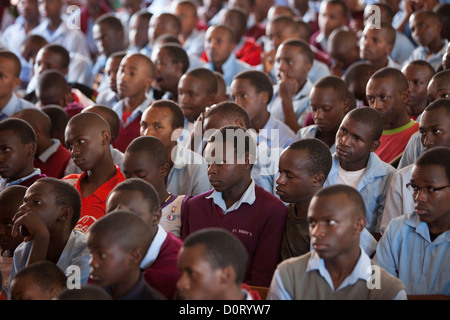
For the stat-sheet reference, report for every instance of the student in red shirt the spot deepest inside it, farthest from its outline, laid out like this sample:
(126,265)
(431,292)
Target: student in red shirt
(88,137)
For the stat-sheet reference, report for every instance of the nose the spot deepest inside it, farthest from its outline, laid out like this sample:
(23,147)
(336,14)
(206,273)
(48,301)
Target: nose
(281,179)
(183,283)
(318,114)
(427,140)
(317,230)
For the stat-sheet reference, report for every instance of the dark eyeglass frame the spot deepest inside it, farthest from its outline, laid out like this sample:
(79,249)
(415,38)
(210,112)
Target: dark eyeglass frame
(427,189)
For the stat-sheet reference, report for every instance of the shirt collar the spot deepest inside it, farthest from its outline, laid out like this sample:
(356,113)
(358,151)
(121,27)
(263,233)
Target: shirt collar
(248,196)
(10,107)
(36,171)
(362,269)
(50,150)
(155,248)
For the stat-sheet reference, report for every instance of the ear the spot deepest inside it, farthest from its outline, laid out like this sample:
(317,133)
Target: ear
(156,217)
(17,81)
(136,255)
(264,97)
(176,134)
(106,137)
(318,180)
(227,275)
(405,96)
(240,122)
(346,105)
(65,213)
(164,170)
(249,160)
(360,224)
(375,145)
(31,149)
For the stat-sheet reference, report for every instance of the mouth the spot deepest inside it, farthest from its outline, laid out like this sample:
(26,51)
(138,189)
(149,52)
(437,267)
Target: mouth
(342,153)
(320,246)
(421,211)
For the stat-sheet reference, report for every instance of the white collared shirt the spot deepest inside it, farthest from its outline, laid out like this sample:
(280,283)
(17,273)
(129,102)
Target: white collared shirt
(50,150)
(248,197)
(155,248)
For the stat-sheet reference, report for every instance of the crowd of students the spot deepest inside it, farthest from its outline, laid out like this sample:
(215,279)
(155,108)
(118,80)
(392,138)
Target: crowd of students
(238,149)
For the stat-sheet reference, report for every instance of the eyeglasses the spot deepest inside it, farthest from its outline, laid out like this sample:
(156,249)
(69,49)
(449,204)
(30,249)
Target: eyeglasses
(427,189)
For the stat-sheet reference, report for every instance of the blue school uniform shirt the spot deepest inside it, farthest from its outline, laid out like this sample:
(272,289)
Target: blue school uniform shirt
(412,151)
(276,134)
(310,132)
(230,68)
(423,53)
(407,252)
(372,187)
(14,105)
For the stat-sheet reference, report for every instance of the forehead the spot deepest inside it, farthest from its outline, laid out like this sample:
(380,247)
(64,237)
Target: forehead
(41,188)
(159,114)
(188,82)
(215,121)
(219,32)
(323,95)
(431,173)
(382,85)
(6,64)
(435,117)
(415,70)
(294,159)
(289,50)
(242,84)
(374,33)
(335,205)
(358,128)
(9,137)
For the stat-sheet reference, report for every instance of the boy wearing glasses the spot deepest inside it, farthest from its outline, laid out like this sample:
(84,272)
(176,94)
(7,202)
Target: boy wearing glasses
(415,246)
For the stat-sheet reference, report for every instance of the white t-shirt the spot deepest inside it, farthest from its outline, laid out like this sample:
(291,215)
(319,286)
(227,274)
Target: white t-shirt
(350,178)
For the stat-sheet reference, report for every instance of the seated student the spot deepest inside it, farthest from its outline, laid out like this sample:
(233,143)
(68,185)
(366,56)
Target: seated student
(188,173)
(197,90)
(138,31)
(123,237)
(376,45)
(51,155)
(332,15)
(42,280)
(110,96)
(76,69)
(48,229)
(191,38)
(419,74)
(134,79)
(109,36)
(253,90)
(55,29)
(414,247)
(234,193)
(113,120)
(336,218)
(290,102)
(18,147)
(58,119)
(433,132)
(265,167)
(52,88)
(356,164)
(159,264)
(356,78)
(171,62)
(329,103)
(403,45)
(161,24)
(247,49)
(438,88)
(219,258)
(220,42)
(343,49)
(85,292)
(10,200)
(304,167)
(88,138)
(426,31)
(9,102)
(387,92)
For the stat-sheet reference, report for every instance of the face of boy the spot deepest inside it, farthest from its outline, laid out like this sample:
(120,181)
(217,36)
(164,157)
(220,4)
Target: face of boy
(295,183)
(373,45)
(219,45)
(418,78)
(245,94)
(25,288)
(332,227)
(424,29)
(111,68)
(187,16)
(130,200)
(138,165)
(15,157)
(157,122)
(354,142)
(192,97)
(434,129)
(384,96)
(198,281)
(167,72)
(433,207)
(46,60)
(328,109)
(291,63)
(8,79)
(133,78)
(7,212)
(438,90)
(330,18)
(50,8)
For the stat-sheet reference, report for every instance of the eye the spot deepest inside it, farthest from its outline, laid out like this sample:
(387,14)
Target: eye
(437,131)
(331,222)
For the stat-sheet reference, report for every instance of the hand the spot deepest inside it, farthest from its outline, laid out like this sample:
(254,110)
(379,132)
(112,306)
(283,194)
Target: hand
(29,224)
(409,7)
(287,88)
(336,68)
(268,60)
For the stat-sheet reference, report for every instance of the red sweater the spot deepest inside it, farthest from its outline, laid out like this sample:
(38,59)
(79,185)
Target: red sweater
(163,273)
(55,164)
(127,134)
(259,226)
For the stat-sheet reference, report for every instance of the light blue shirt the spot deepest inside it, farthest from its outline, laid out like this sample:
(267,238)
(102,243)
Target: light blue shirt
(412,151)
(361,270)
(248,196)
(423,53)
(310,132)
(407,252)
(402,48)
(155,248)
(300,103)
(195,43)
(276,134)
(14,105)
(372,187)
(118,108)
(230,68)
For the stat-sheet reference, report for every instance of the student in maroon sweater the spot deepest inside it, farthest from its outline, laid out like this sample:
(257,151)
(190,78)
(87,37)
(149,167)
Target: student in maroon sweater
(160,262)
(237,204)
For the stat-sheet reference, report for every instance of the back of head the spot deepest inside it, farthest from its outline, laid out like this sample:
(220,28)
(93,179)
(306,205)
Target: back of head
(13,195)
(359,71)
(230,111)
(124,229)
(320,159)
(222,249)
(369,117)
(59,120)
(35,117)
(11,56)
(20,128)
(154,149)
(438,156)
(66,195)
(207,77)
(109,115)
(52,87)
(86,292)
(175,109)
(90,121)
(47,275)
(147,191)
(259,80)
(395,74)
(356,201)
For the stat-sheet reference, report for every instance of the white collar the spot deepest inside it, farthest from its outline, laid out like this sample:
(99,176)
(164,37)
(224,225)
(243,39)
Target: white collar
(247,197)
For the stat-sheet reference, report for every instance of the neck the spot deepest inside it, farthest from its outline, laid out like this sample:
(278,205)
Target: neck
(355,166)
(397,122)
(103,173)
(58,241)
(341,266)
(260,120)
(378,64)
(231,196)
(435,46)
(440,225)
(25,172)
(4,100)
(327,137)
(30,24)
(164,196)
(118,290)
(218,66)
(54,22)
(234,293)
(131,103)
(301,208)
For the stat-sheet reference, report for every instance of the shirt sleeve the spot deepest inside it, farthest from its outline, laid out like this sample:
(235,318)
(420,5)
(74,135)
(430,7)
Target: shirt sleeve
(277,290)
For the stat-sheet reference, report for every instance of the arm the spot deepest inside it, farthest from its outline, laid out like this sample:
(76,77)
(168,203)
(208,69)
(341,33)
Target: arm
(288,88)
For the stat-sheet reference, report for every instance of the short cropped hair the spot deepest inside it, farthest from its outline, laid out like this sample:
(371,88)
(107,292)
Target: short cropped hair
(20,128)
(222,249)
(339,85)
(439,104)
(152,146)
(111,21)
(147,191)
(177,112)
(392,73)
(241,137)
(6,54)
(259,80)
(422,63)
(177,54)
(357,202)
(207,76)
(61,51)
(320,159)
(229,110)
(45,273)
(436,156)
(369,117)
(304,47)
(65,195)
